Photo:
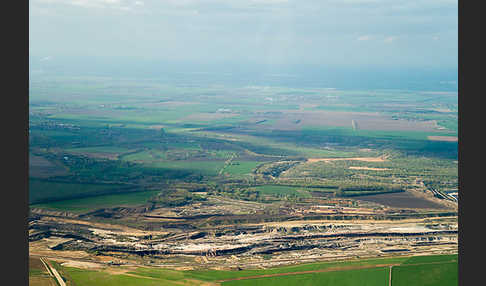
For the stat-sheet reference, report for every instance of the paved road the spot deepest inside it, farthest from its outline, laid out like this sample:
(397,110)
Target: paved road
(47,267)
(54,271)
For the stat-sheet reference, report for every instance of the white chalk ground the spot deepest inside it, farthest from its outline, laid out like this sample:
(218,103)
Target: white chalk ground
(81,264)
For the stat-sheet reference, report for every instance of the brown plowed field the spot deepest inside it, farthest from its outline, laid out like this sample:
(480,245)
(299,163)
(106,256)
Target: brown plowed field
(400,200)
(39,280)
(42,168)
(295,120)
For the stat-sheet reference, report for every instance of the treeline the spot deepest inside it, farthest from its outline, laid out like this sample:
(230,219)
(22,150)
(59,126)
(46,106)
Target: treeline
(86,169)
(362,191)
(275,169)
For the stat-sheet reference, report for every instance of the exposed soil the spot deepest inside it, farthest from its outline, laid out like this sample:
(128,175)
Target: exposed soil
(401,200)
(368,168)
(364,159)
(223,232)
(41,281)
(41,248)
(292,120)
(35,263)
(209,116)
(443,138)
(82,264)
(42,168)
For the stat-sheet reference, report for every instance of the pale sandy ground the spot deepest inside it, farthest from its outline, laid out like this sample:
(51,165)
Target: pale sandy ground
(443,138)
(81,264)
(368,168)
(364,159)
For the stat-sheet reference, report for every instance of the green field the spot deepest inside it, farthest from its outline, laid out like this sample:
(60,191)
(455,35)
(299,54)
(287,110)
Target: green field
(440,274)
(208,168)
(431,259)
(101,149)
(99,278)
(213,275)
(365,277)
(240,167)
(42,191)
(102,201)
(420,270)
(283,191)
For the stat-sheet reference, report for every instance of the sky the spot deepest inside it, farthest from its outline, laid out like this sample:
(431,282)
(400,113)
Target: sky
(342,34)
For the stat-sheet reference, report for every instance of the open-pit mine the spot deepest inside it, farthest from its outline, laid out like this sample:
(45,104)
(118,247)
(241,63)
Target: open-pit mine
(230,234)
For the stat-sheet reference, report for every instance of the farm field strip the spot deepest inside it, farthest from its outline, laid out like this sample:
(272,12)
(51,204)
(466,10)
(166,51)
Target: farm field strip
(334,269)
(343,268)
(168,276)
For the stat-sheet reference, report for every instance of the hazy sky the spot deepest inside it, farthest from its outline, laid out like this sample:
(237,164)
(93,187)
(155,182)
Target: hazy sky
(341,33)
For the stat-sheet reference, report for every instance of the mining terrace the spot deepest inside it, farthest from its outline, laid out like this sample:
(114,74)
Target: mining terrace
(224,233)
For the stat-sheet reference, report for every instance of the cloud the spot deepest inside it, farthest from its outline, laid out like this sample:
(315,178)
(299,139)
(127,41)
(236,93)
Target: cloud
(243,30)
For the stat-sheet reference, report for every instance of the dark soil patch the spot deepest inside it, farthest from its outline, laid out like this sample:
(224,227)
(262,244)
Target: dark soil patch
(42,168)
(292,120)
(325,194)
(400,200)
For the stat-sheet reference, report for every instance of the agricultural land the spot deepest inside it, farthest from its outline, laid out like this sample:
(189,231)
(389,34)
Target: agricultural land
(141,182)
